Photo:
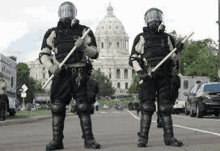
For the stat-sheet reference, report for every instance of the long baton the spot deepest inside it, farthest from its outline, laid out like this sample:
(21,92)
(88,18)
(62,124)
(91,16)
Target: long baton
(161,62)
(66,58)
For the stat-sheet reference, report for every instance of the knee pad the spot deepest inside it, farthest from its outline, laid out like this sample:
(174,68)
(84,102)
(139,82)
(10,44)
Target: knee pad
(148,108)
(85,108)
(58,107)
(165,109)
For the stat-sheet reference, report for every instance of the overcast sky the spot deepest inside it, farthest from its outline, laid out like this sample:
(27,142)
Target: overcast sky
(24,22)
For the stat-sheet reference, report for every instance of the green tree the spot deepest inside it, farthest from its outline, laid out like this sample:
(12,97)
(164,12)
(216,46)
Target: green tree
(23,77)
(134,87)
(105,85)
(198,59)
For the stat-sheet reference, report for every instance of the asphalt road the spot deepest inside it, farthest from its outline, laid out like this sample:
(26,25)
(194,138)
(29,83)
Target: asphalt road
(115,131)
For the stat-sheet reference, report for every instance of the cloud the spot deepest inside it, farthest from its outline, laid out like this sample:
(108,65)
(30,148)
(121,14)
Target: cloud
(26,44)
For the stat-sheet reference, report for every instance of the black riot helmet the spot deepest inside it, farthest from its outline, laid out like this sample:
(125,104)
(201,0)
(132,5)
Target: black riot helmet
(67,10)
(154,20)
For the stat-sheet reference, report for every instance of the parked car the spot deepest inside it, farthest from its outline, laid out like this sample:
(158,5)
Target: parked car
(179,107)
(206,101)
(190,94)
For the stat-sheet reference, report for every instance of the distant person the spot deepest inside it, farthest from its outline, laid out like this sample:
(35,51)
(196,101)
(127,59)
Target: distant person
(4,102)
(149,48)
(96,105)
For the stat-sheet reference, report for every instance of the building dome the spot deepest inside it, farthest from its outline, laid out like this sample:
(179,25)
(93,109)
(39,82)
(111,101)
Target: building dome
(110,25)
(112,40)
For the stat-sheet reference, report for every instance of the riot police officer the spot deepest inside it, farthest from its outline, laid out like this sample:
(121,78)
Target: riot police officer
(72,80)
(149,48)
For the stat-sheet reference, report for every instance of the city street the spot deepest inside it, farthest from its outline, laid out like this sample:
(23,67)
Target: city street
(115,131)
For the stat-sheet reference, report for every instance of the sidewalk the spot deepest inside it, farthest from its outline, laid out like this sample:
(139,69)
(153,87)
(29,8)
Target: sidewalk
(27,120)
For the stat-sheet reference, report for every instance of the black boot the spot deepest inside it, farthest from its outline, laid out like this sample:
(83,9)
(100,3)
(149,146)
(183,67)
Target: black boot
(159,122)
(86,125)
(168,132)
(58,126)
(145,127)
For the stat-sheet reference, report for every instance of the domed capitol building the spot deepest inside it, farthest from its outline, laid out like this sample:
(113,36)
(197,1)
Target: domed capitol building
(113,44)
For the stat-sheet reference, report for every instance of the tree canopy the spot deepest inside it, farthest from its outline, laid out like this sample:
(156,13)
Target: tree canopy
(105,85)
(23,77)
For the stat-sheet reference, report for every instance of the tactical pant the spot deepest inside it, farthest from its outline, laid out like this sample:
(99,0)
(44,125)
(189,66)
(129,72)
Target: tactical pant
(159,85)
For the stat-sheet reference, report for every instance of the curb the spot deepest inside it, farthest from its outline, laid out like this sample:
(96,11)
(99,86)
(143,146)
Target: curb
(27,120)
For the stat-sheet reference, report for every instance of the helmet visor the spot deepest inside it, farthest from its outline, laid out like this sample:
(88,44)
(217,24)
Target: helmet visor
(154,15)
(67,11)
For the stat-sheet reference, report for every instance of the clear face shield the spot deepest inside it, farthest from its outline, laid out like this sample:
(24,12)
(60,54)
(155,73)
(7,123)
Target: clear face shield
(67,11)
(154,19)
(153,15)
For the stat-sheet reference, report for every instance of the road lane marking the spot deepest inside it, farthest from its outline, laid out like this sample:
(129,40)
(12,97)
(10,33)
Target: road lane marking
(103,112)
(195,118)
(189,128)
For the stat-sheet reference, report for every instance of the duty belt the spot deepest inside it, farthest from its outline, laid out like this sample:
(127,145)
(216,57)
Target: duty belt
(78,71)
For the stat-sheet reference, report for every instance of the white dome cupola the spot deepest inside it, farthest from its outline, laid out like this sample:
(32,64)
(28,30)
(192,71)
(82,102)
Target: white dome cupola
(111,37)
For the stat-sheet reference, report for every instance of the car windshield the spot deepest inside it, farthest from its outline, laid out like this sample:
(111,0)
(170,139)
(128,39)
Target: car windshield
(212,88)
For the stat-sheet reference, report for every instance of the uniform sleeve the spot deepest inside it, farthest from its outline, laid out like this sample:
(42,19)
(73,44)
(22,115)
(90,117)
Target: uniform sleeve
(47,47)
(137,49)
(171,43)
(174,57)
(91,49)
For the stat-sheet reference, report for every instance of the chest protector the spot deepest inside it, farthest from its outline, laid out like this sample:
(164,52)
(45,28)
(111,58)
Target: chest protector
(156,48)
(65,41)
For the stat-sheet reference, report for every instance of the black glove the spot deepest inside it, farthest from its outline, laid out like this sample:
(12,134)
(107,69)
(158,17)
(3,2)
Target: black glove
(179,47)
(142,74)
(80,44)
(54,69)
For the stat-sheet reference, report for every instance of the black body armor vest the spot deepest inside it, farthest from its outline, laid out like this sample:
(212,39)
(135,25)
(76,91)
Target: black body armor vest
(156,48)
(65,41)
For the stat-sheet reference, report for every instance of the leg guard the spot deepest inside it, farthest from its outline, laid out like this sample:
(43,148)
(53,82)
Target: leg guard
(168,132)
(167,123)
(144,129)
(86,125)
(58,109)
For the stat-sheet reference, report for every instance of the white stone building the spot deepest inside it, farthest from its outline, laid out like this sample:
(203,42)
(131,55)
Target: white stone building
(113,44)
(39,72)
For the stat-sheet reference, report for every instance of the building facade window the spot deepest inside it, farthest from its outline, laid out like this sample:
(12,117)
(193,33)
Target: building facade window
(110,45)
(43,75)
(110,76)
(126,73)
(117,44)
(126,85)
(133,73)
(12,81)
(118,85)
(102,45)
(185,84)
(118,74)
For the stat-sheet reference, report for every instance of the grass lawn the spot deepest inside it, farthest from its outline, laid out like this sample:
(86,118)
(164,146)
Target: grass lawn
(25,114)
(111,103)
